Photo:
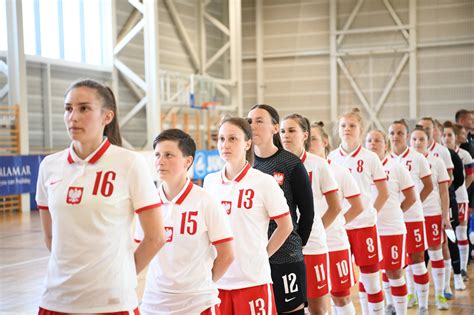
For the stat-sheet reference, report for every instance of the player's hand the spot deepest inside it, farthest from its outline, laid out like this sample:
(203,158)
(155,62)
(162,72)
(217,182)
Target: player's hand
(446,224)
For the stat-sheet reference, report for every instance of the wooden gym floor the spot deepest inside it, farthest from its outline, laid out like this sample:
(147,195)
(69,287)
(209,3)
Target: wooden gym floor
(23,261)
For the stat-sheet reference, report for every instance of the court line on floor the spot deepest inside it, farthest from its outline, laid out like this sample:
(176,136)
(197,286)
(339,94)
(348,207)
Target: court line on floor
(23,262)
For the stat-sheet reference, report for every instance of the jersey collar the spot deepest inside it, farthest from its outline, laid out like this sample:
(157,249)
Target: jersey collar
(433,146)
(403,154)
(188,186)
(93,157)
(384,161)
(303,156)
(238,177)
(456,149)
(351,154)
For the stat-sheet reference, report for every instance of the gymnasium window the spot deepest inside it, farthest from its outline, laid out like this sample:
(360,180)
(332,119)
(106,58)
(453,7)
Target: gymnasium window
(71,30)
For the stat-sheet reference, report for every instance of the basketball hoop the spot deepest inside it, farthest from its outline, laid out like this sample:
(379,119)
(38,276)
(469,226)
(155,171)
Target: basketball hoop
(209,104)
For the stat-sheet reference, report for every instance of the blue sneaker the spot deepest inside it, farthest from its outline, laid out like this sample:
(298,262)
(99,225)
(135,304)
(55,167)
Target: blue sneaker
(448,294)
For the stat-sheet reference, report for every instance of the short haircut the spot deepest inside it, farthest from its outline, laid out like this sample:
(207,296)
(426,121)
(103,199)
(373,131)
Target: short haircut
(185,143)
(461,114)
(402,122)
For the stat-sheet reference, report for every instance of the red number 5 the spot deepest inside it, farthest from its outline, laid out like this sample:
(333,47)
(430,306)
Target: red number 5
(188,223)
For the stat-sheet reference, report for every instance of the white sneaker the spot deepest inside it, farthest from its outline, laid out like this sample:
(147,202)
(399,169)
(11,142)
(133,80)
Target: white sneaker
(441,303)
(459,283)
(390,310)
(411,300)
(423,311)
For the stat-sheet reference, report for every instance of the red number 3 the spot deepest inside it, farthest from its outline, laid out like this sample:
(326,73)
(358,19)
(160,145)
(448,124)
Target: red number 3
(360,166)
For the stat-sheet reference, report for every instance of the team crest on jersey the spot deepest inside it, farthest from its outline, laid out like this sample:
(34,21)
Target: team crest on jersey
(279,177)
(227,206)
(169,233)
(74,195)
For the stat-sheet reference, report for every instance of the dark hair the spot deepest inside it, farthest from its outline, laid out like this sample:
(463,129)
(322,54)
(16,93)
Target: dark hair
(455,127)
(421,128)
(244,125)
(429,119)
(461,114)
(275,120)
(320,126)
(186,144)
(112,130)
(304,124)
(403,122)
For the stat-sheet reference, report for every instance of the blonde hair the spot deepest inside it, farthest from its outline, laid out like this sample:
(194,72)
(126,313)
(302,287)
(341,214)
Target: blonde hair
(320,126)
(385,138)
(355,113)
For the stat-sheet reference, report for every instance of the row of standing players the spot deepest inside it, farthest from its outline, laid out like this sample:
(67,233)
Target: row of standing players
(274,230)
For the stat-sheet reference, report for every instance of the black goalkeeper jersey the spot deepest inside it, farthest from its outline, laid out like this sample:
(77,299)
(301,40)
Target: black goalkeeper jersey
(291,175)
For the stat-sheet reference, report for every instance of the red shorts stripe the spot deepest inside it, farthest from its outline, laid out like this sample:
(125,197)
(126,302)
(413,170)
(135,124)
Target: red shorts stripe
(43,208)
(393,251)
(364,245)
(463,242)
(316,275)
(434,232)
(341,272)
(415,237)
(243,301)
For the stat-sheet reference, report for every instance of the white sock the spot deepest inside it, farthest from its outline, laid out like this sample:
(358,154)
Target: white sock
(364,303)
(410,281)
(347,309)
(447,275)
(437,270)
(371,283)
(422,284)
(387,290)
(463,245)
(399,293)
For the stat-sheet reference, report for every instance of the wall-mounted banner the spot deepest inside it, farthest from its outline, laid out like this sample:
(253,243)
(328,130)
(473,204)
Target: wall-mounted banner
(205,162)
(18,174)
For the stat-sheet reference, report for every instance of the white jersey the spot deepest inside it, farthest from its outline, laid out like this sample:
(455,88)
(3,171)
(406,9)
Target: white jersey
(442,152)
(322,183)
(179,278)
(92,203)
(461,192)
(390,218)
(419,168)
(251,200)
(366,168)
(336,233)
(432,203)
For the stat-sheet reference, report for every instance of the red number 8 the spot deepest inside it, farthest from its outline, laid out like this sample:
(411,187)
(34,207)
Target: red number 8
(360,166)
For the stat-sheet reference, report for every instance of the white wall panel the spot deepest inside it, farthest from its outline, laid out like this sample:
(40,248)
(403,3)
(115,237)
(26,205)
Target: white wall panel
(445,75)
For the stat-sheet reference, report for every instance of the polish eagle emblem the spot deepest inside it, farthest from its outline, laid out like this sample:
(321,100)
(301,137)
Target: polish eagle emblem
(74,195)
